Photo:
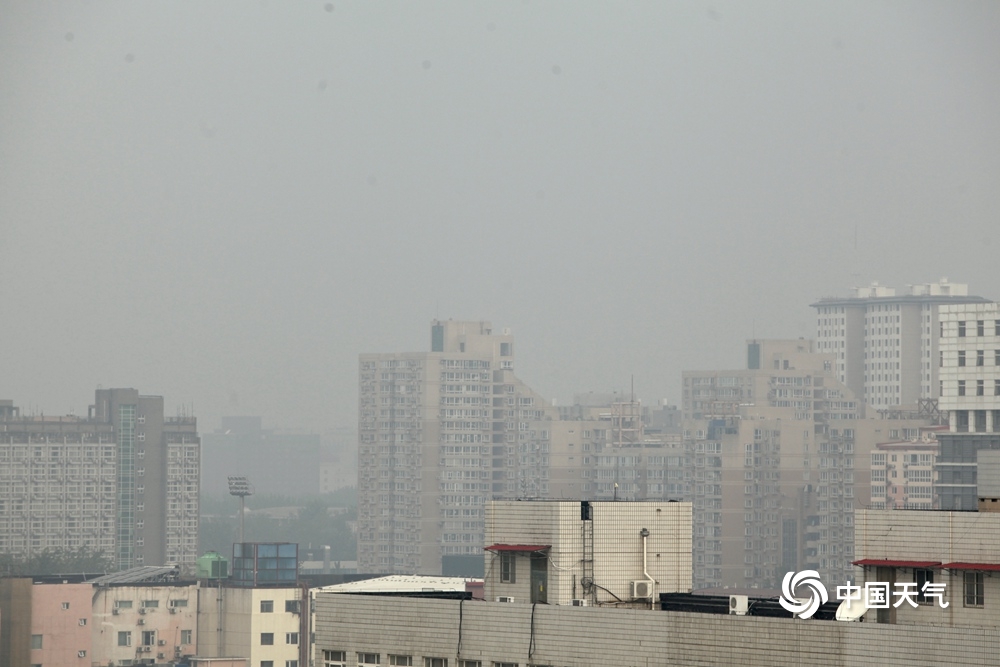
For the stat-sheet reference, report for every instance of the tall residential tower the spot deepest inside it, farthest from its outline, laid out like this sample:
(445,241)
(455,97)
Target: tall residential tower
(123,481)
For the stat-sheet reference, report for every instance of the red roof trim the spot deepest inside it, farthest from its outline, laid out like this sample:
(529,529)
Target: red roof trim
(988,567)
(518,547)
(898,563)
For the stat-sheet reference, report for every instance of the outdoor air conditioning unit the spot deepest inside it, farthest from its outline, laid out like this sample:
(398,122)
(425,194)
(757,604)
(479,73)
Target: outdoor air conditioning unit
(160,656)
(580,602)
(115,611)
(173,610)
(504,598)
(141,621)
(738,605)
(142,610)
(162,642)
(640,590)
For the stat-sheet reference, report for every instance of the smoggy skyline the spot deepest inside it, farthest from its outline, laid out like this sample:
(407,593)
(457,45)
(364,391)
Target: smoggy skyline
(226,203)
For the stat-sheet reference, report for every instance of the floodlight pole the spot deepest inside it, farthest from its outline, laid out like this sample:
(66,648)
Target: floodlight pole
(240,486)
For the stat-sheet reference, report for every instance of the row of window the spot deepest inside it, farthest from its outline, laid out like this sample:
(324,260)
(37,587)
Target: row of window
(267,638)
(267,606)
(339,659)
(980,358)
(980,328)
(980,388)
(973,587)
(148,637)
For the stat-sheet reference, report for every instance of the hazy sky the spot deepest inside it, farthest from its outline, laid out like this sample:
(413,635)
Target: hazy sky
(226,202)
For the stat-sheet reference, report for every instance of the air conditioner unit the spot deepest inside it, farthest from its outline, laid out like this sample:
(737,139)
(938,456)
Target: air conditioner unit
(115,611)
(173,610)
(81,654)
(162,642)
(738,605)
(161,656)
(580,602)
(141,621)
(504,598)
(640,590)
(142,610)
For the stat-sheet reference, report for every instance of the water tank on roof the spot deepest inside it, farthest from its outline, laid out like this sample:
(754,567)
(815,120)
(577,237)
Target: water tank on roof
(213,566)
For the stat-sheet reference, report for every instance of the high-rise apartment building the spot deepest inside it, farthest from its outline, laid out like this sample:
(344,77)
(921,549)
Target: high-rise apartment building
(122,481)
(969,362)
(885,344)
(777,458)
(442,432)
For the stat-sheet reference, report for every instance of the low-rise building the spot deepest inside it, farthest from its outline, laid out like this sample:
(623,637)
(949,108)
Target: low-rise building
(587,553)
(909,549)
(140,616)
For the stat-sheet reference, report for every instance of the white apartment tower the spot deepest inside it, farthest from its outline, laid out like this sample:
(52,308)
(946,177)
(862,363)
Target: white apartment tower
(886,344)
(439,434)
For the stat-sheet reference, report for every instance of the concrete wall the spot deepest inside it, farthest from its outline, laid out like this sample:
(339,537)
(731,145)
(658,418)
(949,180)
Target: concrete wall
(599,637)
(133,617)
(243,623)
(57,611)
(617,547)
(15,622)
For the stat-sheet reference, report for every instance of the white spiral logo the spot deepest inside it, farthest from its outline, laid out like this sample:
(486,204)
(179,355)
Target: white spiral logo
(817,593)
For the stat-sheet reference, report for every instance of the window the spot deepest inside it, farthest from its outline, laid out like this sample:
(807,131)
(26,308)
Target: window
(507,569)
(150,604)
(974,589)
(149,637)
(435,662)
(123,604)
(185,636)
(961,358)
(403,660)
(368,659)
(124,638)
(980,388)
(178,603)
(470,663)
(334,658)
(505,664)
(267,639)
(36,641)
(65,605)
(291,663)
(83,621)
(291,638)
(961,387)
(923,577)
(266,606)
(267,663)
(961,329)
(980,328)
(996,387)
(292,606)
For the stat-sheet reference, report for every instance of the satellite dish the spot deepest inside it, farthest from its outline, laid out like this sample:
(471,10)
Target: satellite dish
(851,610)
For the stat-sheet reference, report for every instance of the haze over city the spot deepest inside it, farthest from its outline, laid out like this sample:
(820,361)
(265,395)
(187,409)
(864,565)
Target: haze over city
(226,203)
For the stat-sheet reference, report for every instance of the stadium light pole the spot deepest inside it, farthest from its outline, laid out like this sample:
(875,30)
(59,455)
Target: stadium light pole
(240,486)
